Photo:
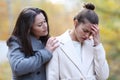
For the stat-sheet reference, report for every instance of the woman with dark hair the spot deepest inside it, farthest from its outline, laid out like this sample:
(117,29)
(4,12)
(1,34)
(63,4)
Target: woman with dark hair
(80,55)
(30,47)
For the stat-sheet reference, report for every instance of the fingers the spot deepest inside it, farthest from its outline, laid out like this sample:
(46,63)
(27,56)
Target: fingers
(95,29)
(52,44)
(95,33)
(54,47)
(50,40)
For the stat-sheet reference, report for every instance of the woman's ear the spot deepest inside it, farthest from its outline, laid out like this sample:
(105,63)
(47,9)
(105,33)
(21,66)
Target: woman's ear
(75,23)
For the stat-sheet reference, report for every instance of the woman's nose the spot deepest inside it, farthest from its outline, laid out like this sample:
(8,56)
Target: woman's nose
(44,26)
(87,35)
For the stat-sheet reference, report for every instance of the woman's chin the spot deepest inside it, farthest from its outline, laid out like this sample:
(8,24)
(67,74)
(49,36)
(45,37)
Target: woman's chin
(45,34)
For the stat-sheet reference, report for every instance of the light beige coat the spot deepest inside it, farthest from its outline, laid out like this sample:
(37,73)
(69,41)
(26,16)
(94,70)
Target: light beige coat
(66,65)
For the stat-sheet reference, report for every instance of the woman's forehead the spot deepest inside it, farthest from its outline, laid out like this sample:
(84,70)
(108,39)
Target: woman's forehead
(87,26)
(40,17)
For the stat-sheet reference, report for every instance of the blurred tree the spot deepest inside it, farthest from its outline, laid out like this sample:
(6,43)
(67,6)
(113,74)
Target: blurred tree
(10,15)
(3,20)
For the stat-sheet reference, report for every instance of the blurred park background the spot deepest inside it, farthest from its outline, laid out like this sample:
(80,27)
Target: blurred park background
(60,14)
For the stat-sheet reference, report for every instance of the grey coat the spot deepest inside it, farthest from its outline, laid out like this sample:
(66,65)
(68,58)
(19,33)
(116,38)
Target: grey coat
(28,68)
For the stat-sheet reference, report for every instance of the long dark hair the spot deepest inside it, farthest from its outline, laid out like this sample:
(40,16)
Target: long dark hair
(87,13)
(23,27)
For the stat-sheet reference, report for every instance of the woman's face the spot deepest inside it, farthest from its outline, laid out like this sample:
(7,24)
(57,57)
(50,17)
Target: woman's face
(83,31)
(40,27)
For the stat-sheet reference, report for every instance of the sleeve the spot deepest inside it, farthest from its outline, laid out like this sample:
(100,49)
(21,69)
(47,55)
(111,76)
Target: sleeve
(21,65)
(101,65)
(52,68)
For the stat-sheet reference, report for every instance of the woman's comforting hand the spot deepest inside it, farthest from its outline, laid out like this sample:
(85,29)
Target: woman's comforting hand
(52,44)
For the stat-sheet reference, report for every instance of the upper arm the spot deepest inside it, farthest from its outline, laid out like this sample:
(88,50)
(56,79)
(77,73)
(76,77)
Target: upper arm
(52,68)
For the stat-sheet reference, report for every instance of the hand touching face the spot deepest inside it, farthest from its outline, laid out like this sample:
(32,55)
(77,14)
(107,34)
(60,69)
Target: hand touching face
(86,30)
(95,34)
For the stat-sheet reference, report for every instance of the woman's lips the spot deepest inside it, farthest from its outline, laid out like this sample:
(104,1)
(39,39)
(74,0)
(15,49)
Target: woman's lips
(84,38)
(44,30)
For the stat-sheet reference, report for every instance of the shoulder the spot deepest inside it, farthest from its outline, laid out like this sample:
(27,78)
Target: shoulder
(12,38)
(64,37)
(13,41)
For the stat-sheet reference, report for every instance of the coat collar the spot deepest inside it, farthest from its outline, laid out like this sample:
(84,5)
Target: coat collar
(68,48)
(36,44)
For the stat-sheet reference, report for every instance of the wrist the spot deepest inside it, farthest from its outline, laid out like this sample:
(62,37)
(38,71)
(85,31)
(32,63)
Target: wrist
(95,44)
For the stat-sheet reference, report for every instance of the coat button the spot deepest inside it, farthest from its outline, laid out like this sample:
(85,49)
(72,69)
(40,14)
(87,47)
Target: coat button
(38,73)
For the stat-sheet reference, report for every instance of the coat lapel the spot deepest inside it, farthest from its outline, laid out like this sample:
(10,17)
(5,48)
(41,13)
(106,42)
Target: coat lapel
(69,50)
(36,44)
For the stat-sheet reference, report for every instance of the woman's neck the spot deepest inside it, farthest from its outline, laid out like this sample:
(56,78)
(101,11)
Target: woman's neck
(73,36)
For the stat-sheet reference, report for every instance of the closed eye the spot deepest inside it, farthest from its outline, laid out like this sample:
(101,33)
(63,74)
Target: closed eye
(86,31)
(41,23)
